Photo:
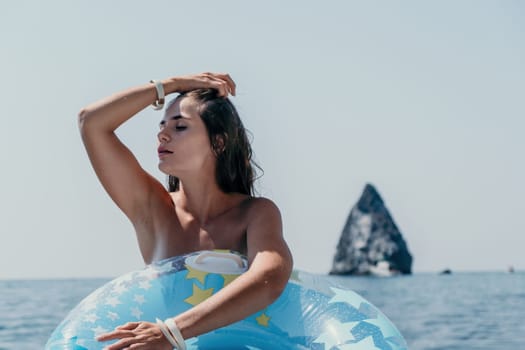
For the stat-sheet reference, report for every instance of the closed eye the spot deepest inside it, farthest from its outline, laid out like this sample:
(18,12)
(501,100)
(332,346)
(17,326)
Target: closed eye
(180,128)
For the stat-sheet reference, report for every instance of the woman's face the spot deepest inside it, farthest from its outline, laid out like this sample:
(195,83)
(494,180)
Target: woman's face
(184,144)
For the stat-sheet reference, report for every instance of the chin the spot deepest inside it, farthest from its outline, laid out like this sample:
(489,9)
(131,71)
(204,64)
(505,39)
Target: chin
(165,169)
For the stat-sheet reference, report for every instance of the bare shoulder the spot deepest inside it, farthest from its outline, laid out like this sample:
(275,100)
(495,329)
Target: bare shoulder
(262,208)
(267,248)
(262,203)
(264,219)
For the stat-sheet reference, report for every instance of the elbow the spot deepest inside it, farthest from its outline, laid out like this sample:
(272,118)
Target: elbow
(274,291)
(276,280)
(83,116)
(87,121)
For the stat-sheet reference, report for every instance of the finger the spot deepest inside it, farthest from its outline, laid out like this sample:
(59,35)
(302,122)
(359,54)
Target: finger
(220,85)
(223,88)
(222,78)
(129,325)
(115,335)
(228,84)
(231,84)
(123,344)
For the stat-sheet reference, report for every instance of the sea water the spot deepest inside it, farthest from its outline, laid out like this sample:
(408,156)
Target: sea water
(457,311)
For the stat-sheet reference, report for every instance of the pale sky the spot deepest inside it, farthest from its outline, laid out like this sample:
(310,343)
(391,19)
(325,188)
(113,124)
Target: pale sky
(422,99)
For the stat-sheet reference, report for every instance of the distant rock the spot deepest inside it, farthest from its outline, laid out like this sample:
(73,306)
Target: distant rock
(371,243)
(446,272)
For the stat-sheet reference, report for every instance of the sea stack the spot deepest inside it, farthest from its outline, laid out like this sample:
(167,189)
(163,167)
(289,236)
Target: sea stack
(371,243)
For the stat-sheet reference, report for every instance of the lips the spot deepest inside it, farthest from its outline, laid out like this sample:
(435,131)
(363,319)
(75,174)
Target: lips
(163,151)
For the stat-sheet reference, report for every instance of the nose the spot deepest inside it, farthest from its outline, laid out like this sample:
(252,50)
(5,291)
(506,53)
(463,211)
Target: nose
(163,136)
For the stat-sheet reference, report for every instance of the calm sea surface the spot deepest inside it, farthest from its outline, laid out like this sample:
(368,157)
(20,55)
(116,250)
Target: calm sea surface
(458,311)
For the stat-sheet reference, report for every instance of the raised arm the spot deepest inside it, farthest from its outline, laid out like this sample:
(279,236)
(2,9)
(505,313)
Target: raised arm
(116,167)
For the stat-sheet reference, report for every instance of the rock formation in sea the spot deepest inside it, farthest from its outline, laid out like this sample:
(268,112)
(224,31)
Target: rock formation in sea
(371,243)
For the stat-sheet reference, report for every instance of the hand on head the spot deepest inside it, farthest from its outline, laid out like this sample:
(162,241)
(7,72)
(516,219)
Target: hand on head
(221,82)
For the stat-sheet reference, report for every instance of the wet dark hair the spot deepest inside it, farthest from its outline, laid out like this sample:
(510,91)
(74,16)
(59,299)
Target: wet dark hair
(228,138)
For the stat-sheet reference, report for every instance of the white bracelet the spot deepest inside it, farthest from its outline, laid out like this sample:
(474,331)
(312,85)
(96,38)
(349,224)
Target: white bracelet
(159,102)
(172,326)
(165,330)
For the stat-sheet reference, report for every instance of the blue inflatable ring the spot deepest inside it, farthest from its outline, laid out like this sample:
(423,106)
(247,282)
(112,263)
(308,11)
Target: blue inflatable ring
(307,315)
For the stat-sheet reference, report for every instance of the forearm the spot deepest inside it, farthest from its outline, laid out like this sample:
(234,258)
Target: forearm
(109,113)
(246,295)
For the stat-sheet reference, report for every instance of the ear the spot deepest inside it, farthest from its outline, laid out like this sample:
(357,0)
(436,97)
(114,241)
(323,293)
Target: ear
(219,144)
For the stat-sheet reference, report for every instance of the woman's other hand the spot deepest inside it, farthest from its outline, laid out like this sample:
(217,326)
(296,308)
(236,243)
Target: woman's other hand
(138,336)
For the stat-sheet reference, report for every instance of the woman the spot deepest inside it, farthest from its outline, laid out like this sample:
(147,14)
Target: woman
(204,150)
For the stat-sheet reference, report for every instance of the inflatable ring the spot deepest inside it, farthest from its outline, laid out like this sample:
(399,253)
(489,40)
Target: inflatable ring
(307,315)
